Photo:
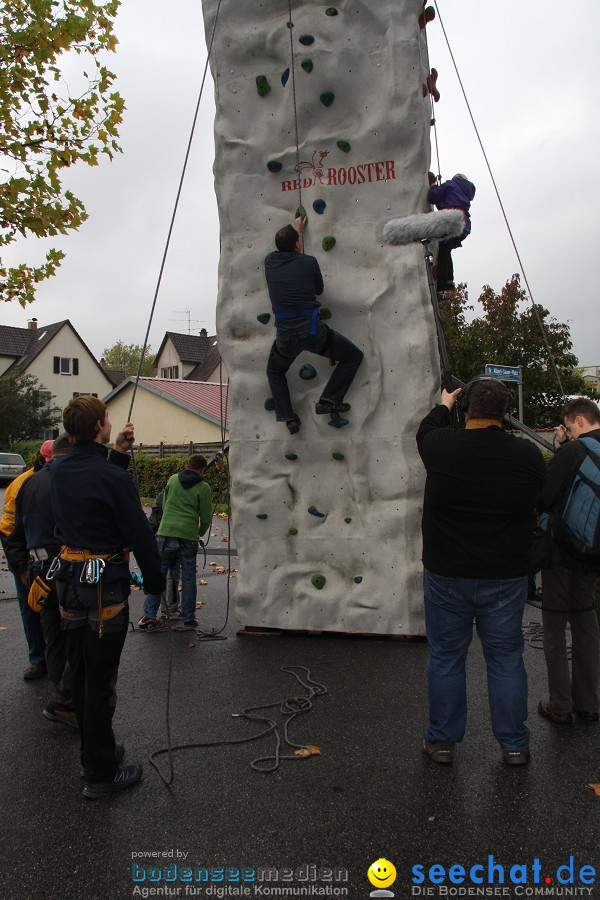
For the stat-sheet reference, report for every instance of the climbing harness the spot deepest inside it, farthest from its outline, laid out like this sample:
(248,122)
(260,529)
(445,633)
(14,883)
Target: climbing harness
(296,313)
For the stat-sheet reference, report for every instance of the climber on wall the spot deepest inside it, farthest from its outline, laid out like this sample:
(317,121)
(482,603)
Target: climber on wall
(294,281)
(457,193)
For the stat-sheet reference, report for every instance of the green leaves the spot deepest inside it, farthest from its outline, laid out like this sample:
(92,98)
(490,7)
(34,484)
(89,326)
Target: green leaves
(43,129)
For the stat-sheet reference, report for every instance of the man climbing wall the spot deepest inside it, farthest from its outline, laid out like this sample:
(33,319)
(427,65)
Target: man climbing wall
(326,519)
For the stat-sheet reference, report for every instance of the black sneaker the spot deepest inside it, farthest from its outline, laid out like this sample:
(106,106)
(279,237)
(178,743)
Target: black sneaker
(191,624)
(60,712)
(323,407)
(37,670)
(293,425)
(125,778)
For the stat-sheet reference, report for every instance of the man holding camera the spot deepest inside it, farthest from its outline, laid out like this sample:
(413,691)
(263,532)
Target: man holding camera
(478,524)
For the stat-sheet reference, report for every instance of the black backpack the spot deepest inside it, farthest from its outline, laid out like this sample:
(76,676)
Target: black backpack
(577,529)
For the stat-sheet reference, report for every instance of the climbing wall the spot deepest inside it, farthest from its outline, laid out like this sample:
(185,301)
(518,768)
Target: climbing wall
(326,522)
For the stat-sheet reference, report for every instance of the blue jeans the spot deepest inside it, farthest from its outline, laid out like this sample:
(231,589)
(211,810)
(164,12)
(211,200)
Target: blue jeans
(31,626)
(496,605)
(325,342)
(171,549)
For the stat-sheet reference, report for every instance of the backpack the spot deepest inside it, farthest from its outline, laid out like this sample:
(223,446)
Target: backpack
(577,529)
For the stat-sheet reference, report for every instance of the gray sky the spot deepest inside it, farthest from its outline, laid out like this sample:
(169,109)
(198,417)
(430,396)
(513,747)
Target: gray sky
(529,72)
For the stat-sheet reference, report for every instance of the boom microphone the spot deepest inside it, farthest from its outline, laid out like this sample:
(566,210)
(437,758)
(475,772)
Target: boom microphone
(424,227)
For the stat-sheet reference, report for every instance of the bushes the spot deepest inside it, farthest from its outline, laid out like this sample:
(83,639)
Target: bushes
(153,475)
(27,449)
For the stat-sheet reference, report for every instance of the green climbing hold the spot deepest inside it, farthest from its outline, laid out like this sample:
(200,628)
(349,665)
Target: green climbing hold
(315,512)
(325,313)
(300,213)
(328,242)
(307,372)
(263,318)
(284,77)
(327,98)
(262,85)
(262,516)
(347,520)
(344,146)
(291,456)
(307,64)
(274,165)
(358,579)
(306,39)
(292,531)
(318,581)
(337,455)
(269,404)
(319,206)
(331,11)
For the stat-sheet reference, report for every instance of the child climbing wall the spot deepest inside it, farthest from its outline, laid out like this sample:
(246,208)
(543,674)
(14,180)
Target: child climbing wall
(328,114)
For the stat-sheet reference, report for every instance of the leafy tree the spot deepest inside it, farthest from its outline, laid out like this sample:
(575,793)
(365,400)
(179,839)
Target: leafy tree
(25,411)
(45,127)
(126,358)
(508,333)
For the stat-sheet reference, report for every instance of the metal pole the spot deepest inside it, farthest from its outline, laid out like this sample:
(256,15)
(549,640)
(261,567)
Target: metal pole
(520,384)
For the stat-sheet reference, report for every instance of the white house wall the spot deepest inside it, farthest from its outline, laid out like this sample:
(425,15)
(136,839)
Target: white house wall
(364,551)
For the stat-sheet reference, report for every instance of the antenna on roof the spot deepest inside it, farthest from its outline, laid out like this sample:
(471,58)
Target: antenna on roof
(188,319)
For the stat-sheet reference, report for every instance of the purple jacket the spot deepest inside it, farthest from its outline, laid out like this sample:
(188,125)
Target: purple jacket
(456,193)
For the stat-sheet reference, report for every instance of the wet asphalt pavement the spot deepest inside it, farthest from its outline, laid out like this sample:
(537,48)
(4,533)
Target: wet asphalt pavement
(370,794)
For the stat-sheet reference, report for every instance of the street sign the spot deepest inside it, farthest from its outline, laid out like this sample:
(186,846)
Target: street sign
(504,373)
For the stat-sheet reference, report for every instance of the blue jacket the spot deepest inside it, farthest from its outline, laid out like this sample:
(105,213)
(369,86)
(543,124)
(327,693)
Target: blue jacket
(456,193)
(294,281)
(97,508)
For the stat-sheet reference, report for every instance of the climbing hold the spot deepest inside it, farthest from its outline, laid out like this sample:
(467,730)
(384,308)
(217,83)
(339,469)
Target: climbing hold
(274,165)
(432,85)
(263,318)
(269,404)
(327,98)
(319,206)
(301,213)
(328,242)
(336,421)
(318,581)
(307,372)
(315,512)
(262,85)
(291,456)
(331,11)
(324,314)
(347,520)
(344,146)
(428,15)
(337,455)
(307,64)
(290,24)
(262,516)
(284,77)
(358,579)
(292,531)
(306,39)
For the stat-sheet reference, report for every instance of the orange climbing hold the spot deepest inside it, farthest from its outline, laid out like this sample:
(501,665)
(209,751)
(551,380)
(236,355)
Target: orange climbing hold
(428,15)
(432,85)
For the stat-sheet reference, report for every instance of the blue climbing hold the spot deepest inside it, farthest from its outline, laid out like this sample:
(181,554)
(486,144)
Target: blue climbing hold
(358,579)
(291,456)
(284,77)
(263,318)
(307,372)
(269,404)
(306,39)
(315,512)
(274,165)
(336,421)
(319,206)
(262,516)
(327,98)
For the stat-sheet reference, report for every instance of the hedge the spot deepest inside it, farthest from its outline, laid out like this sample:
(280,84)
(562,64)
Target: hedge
(153,475)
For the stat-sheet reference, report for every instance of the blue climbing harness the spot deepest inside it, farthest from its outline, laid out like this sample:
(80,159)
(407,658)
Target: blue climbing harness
(296,313)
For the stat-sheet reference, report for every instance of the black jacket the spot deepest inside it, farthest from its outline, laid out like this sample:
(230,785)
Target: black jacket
(97,508)
(480,495)
(294,281)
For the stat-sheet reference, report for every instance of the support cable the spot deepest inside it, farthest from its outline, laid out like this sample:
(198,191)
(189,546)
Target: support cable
(290,26)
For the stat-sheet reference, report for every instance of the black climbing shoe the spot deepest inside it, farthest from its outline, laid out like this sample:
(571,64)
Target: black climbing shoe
(323,407)
(293,425)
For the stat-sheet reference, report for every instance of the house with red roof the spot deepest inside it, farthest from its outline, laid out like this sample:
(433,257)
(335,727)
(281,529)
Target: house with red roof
(172,410)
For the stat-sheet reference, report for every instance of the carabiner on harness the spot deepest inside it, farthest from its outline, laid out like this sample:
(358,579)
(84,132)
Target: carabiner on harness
(92,571)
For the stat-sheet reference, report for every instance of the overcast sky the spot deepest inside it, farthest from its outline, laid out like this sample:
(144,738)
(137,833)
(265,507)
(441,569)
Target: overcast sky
(529,71)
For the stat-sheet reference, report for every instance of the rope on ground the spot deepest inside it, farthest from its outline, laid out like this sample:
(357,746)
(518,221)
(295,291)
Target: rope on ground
(489,168)
(290,708)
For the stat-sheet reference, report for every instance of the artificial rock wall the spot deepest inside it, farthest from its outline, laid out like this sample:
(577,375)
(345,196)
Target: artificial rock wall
(326,522)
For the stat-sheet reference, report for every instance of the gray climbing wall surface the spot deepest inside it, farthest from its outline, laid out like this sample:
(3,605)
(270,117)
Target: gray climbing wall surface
(326,522)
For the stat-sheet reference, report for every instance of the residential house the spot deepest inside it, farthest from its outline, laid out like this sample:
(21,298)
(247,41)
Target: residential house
(193,357)
(59,359)
(171,411)
(591,376)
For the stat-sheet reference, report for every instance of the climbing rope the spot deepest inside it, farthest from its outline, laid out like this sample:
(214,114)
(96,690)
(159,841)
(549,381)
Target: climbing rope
(489,168)
(431,102)
(290,26)
(289,708)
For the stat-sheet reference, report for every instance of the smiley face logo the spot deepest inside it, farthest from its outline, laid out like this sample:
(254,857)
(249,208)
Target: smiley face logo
(381,873)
